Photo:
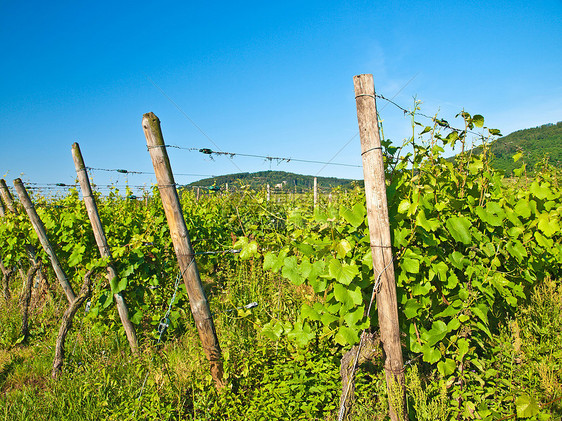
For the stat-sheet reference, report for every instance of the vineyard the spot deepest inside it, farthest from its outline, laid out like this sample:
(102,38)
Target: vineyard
(477,259)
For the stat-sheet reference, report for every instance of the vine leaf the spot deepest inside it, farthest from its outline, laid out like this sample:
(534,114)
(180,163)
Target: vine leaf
(526,406)
(343,273)
(458,227)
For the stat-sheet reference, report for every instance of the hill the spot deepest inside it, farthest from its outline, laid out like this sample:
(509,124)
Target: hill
(281,179)
(535,144)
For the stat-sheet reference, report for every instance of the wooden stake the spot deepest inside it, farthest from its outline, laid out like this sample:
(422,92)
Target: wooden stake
(31,253)
(182,245)
(7,197)
(101,241)
(379,230)
(40,230)
(315,191)
(268,193)
(2,211)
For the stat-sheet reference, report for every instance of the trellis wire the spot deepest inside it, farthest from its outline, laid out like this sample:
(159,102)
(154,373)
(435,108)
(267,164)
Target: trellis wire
(163,325)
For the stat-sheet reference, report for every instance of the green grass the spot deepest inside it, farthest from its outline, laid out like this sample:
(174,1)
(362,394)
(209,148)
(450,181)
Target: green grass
(266,380)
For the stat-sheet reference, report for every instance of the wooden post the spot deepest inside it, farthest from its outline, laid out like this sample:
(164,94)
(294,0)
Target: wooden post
(379,230)
(268,193)
(182,245)
(197,198)
(2,211)
(31,254)
(315,191)
(40,230)
(101,241)
(7,197)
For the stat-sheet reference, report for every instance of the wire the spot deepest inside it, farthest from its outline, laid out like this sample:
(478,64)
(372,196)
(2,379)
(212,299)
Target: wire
(122,171)
(210,152)
(189,118)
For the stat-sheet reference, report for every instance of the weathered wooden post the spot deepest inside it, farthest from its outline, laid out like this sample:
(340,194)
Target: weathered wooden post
(182,245)
(315,191)
(2,211)
(381,248)
(31,253)
(40,230)
(268,193)
(197,198)
(7,197)
(101,241)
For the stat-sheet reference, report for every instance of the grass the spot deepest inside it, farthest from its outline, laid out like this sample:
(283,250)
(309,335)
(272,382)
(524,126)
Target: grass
(266,380)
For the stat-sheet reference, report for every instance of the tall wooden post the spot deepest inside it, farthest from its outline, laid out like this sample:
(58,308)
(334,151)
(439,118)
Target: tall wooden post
(379,230)
(31,254)
(315,191)
(182,245)
(40,230)
(7,197)
(2,211)
(268,193)
(101,241)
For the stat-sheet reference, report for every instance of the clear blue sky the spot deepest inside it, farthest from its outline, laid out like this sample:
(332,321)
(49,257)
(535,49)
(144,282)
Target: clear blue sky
(271,78)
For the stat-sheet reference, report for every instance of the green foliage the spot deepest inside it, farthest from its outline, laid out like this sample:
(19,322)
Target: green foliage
(289,181)
(528,147)
(477,258)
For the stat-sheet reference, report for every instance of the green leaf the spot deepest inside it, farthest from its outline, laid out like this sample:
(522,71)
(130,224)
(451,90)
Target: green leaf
(301,334)
(355,216)
(447,367)
(77,255)
(411,308)
(428,225)
(410,265)
(353,317)
(273,261)
(404,206)
(540,191)
(121,286)
(308,312)
(457,259)
(517,156)
(431,355)
(527,406)
(478,120)
(346,336)
(291,271)
(343,273)
(458,227)
(343,247)
(437,333)
(327,319)
(548,224)
(481,311)
(348,296)
(463,347)
(517,250)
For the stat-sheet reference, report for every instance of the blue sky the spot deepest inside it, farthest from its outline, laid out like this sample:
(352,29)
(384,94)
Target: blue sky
(267,78)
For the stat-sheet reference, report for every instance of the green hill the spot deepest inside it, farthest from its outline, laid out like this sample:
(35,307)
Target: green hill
(535,144)
(283,180)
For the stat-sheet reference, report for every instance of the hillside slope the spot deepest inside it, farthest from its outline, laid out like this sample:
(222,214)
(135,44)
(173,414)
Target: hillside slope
(285,181)
(535,144)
